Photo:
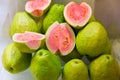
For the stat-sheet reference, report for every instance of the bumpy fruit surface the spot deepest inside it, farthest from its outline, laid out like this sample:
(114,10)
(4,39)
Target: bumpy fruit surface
(14,61)
(45,66)
(75,69)
(93,40)
(55,14)
(22,22)
(104,67)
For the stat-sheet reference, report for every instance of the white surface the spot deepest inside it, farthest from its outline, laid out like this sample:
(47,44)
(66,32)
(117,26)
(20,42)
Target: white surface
(106,11)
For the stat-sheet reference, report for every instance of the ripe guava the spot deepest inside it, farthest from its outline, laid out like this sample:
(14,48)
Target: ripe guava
(93,40)
(60,38)
(45,66)
(55,14)
(23,22)
(29,41)
(77,15)
(37,7)
(75,69)
(14,61)
(105,67)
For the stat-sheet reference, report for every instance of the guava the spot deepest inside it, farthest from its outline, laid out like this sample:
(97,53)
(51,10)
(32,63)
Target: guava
(73,55)
(28,42)
(23,22)
(14,61)
(92,18)
(105,67)
(45,66)
(40,24)
(75,69)
(54,14)
(77,15)
(37,8)
(60,38)
(93,40)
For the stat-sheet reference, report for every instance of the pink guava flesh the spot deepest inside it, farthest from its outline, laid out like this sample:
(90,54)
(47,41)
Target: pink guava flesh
(37,7)
(31,39)
(77,14)
(60,37)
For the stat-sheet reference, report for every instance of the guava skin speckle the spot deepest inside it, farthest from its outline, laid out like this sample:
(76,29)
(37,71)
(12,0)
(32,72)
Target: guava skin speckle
(93,40)
(54,14)
(45,66)
(22,22)
(14,61)
(75,69)
(105,67)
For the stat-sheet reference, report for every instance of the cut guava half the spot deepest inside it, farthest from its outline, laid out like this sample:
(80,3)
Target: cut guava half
(60,38)
(77,15)
(30,39)
(37,7)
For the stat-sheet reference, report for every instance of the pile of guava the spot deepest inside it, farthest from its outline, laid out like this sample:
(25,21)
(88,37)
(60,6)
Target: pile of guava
(54,40)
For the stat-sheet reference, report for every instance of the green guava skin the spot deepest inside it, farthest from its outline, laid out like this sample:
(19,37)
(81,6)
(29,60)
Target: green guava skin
(104,67)
(75,69)
(22,22)
(40,24)
(54,14)
(45,66)
(93,40)
(14,61)
(92,18)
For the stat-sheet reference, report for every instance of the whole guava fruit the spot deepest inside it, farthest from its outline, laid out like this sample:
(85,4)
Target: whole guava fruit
(77,15)
(37,8)
(54,14)
(75,69)
(60,38)
(28,42)
(93,40)
(22,22)
(105,67)
(14,61)
(45,66)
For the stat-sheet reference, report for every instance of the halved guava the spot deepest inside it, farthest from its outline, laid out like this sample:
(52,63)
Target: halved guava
(37,7)
(60,38)
(28,41)
(77,15)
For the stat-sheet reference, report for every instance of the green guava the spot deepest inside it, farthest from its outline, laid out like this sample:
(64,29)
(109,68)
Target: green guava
(104,67)
(28,42)
(14,61)
(22,22)
(93,40)
(40,24)
(75,69)
(45,66)
(54,14)
(77,15)
(37,8)
(60,38)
